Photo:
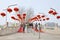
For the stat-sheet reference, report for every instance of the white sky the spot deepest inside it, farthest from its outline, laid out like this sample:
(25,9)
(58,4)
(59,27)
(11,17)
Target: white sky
(38,5)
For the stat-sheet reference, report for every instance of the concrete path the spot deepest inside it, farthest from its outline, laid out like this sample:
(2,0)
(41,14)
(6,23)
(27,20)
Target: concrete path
(31,36)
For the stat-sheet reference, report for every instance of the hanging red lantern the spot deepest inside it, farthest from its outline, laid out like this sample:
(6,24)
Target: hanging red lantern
(13,17)
(9,10)
(24,15)
(35,18)
(43,16)
(54,13)
(3,14)
(19,16)
(51,11)
(38,16)
(58,17)
(43,19)
(32,18)
(16,9)
(47,18)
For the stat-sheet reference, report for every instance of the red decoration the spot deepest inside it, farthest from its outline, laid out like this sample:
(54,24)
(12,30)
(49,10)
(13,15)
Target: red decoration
(19,16)
(58,17)
(9,10)
(3,14)
(32,18)
(43,19)
(16,9)
(54,13)
(24,15)
(38,16)
(13,17)
(35,18)
(47,18)
(51,11)
(43,16)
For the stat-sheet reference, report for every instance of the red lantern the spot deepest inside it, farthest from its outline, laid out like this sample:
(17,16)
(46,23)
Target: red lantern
(9,10)
(32,18)
(43,19)
(51,11)
(13,17)
(58,17)
(19,16)
(24,15)
(47,18)
(3,14)
(54,13)
(38,16)
(43,16)
(16,9)
(35,18)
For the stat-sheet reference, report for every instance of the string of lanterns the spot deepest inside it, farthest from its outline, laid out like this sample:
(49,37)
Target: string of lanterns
(23,16)
(53,12)
(39,17)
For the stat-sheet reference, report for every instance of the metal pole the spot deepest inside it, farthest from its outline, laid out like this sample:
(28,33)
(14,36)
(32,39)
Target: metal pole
(6,19)
(12,5)
(39,30)
(6,16)
(40,24)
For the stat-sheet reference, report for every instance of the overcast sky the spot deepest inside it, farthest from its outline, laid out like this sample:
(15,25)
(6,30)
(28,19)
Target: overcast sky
(38,5)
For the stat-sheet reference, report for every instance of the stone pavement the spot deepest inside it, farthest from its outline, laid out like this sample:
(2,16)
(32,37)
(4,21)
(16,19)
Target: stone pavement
(31,36)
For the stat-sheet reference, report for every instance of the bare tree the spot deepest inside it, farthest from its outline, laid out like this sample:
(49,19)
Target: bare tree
(30,13)
(22,9)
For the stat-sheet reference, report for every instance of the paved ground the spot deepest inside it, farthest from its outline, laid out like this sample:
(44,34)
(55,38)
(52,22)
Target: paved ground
(31,36)
(47,35)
